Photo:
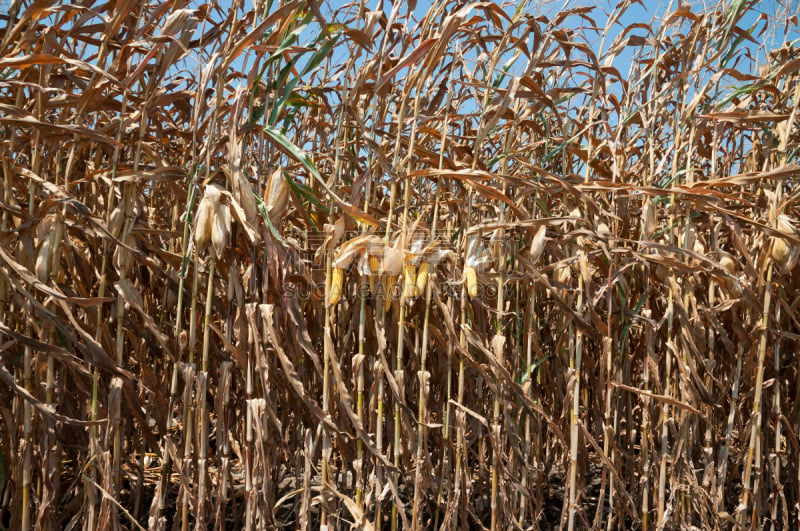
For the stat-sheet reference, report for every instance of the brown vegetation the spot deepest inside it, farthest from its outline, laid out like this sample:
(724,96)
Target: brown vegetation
(261,269)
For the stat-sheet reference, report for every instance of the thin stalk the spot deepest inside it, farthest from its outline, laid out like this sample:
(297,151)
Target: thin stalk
(401,320)
(424,382)
(755,431)
(202,442)
(778,450)
(327,447)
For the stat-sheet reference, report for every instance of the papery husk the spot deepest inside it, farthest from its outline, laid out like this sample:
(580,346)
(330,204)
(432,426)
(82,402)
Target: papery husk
(537,245)
(220,230)
(276,195)
(649,221)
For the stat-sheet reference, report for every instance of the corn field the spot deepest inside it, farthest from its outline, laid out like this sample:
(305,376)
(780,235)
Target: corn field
(450,266)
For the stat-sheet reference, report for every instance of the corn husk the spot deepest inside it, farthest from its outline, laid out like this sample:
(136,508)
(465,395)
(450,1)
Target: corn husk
(392,261)
(276,195)
(206,214)
(784,253)
(392,267)
(42,267)
(563,274)
(338,230)
(243,193)
(602,229)
(537,245)
(220,230)
(729,265)
(649,221)
(478,257)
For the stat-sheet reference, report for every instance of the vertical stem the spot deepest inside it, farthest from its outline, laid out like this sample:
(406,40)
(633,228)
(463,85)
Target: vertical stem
(755,431)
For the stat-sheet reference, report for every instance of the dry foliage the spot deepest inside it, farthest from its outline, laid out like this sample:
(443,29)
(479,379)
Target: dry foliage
(262,269)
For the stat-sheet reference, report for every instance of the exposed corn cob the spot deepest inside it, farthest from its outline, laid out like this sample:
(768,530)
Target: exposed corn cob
(335,289)
(389,282)
(471,280)
(409,280)
(422,278)
(374,269)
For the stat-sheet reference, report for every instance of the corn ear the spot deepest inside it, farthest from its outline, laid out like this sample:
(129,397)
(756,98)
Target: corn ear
(422,278)
(374,269)
(649,221)
(564,274)
(42,266)
(537,246)
(727,263)
(783,252)
(389,282)
(220,229)
(409,280)
(337,283)
(471,280)
(276,195)
(206,212)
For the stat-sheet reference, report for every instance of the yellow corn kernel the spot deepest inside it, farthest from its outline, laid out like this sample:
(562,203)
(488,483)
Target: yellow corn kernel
(409,280)
(374,269)
(389,282)
(471,280)
(422,277)
(337,281)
